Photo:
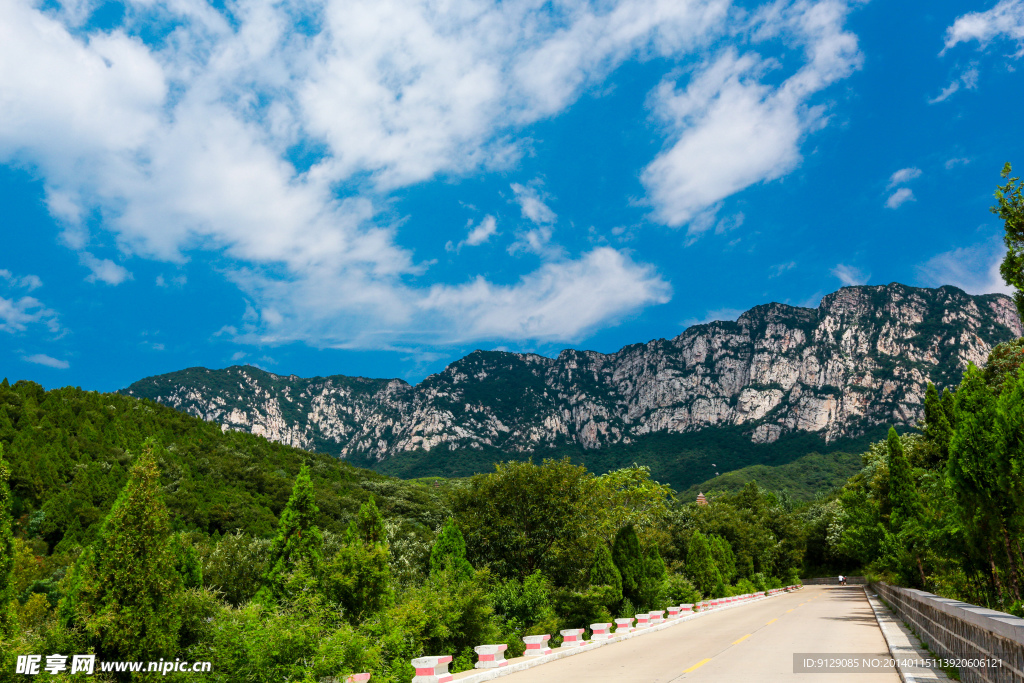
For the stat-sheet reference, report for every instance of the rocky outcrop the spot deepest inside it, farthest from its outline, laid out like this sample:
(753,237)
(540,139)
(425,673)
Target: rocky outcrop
(861,359)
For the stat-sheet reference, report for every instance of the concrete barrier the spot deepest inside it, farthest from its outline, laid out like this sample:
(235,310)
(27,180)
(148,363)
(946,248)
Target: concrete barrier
(600,631)
(656,617)
(686,608)
(490,656)
(624,625)
(358,678)
(572,637)
(962,631)
(432,669)
(537,646)
(673,612)
(642,621)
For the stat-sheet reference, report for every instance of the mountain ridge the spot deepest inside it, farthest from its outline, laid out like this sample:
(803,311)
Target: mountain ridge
(859,360)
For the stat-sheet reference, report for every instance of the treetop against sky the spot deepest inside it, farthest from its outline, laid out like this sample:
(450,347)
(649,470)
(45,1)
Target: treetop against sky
(377,187)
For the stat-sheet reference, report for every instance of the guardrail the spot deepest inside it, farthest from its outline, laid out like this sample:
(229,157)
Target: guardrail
(834,581)
(968,634)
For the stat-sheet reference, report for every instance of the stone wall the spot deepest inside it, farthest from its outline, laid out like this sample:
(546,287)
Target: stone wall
(957,629)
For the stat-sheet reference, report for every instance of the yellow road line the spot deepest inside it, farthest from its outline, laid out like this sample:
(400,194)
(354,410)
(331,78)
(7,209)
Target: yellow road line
(737,642)
(790,610)
(697,665)
(771,622)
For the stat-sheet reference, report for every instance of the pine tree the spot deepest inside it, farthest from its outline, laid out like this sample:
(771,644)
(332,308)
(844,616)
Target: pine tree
(449,551)
(124,591)
(187,562)
(604,573)
(700,564)
(1010,208)
(298,539)
(7,623)
(725,559)
(368,526)
(906,503)
(653,577)
(937,428)
(629,561)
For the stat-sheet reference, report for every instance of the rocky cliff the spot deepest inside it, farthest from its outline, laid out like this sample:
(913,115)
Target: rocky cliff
(861,359)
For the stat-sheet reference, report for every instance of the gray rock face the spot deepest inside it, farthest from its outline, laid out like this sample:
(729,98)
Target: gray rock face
(861,359)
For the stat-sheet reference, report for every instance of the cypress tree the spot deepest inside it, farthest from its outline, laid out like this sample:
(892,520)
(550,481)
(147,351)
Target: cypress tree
(906,504)
(700,564)
(187,562)
(725,559)
(653,577)
(450,551)
(604,573)
(629,561)
(298,539)
(124,589)
(937,428)
(6,553)
(368,526)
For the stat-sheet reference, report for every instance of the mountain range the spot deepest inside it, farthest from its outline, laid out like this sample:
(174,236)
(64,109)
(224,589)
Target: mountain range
(778,374)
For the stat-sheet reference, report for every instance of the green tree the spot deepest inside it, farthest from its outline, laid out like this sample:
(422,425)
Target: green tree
(1010,208)
(186,561)
(449,551)
(629,560)
(653,584)
(937,428)
(298,539)
(903,496)
(725,560)
(7,623)
(368,526)
(359,577)
(700,564)
(604,573)
(125,592)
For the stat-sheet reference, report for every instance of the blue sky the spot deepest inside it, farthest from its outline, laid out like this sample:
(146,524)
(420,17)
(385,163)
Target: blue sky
(377,187)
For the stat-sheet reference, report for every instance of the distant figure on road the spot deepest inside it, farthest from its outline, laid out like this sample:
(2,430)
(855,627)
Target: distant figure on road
(841,580)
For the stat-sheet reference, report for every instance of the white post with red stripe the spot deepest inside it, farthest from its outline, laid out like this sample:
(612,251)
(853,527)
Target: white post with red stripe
(432,669)
(490,656)
(358,678)
(656,617)
(600,631)
(624,625)
(642,621)
(572,637)
(673,612)
(537,645)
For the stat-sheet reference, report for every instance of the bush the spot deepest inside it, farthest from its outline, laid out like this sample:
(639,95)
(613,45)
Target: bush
(679,591)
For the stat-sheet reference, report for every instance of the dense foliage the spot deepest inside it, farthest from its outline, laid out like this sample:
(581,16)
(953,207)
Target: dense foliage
(120,546)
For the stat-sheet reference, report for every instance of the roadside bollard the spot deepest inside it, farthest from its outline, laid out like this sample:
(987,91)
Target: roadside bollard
(642,621)
(537,646)
(624,625)
(686,608)
(657,617)
(673,612)
(572,637)
(600,631)
(432,669)
(358,678)
(490,656)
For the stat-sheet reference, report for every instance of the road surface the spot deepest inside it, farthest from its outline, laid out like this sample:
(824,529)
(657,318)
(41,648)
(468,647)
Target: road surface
(753,642)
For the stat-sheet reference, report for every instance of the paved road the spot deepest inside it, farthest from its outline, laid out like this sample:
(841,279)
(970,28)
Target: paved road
(753,642)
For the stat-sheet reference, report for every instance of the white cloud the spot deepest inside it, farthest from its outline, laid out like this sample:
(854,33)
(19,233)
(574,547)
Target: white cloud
(478,234)
(1005,20)
(20,311)
(186,146)
(969,79)
(103,270)
(532,206)
(849,275)
(730,129)
(781,268)
(953,163)
(974,269)
(903,176)
(48,361)
(899,198)
(29,282)
(719,314)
